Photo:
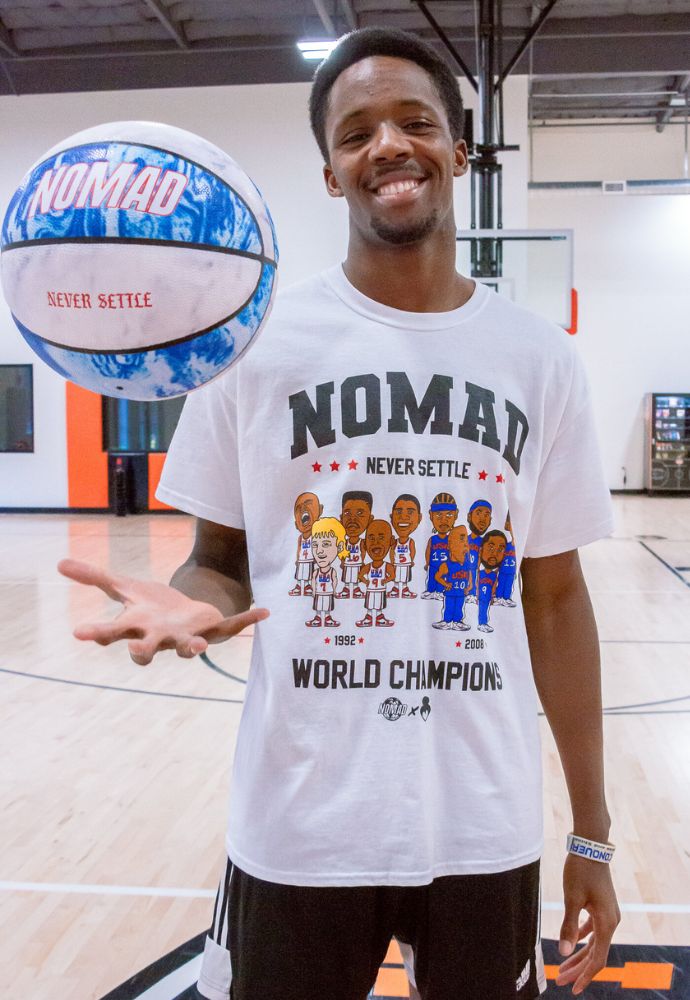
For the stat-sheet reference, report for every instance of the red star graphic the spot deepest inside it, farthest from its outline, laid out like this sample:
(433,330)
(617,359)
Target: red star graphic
(352,464)
(499,478)
(483,474)
(335,466)
(327,639)
(361,640)
(458,643)
(316,467)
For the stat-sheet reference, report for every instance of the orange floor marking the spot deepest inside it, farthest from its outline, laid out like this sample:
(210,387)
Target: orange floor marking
(633,975)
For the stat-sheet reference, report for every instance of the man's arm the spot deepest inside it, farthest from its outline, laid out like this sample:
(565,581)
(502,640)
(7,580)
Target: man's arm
(206,602)
(564,648)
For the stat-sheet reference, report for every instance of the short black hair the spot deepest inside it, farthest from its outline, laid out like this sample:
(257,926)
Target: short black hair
(495,533)
(363,495)
(410,499)
(368,42)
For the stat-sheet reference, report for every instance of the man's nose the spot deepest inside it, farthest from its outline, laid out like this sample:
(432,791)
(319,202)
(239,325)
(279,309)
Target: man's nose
(390,142)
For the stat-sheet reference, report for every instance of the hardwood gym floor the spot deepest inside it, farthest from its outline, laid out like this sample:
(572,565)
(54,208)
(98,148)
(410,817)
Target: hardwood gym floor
(114,780)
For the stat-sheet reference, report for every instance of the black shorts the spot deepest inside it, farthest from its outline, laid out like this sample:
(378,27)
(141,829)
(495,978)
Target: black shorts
(470,937)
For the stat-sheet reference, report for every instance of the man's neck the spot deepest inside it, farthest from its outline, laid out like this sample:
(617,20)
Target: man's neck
(417,278)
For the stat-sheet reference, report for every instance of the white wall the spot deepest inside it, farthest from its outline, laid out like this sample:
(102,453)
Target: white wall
(266,129)
(632,271)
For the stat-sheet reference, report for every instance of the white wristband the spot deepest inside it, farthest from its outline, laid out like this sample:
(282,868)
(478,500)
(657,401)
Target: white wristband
(590,849)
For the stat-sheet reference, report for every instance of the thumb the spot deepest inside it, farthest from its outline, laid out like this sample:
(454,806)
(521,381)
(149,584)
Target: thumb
(569,936)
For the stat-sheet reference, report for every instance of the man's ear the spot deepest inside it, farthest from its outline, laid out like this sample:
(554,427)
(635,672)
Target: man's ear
(461,158)
(332,186)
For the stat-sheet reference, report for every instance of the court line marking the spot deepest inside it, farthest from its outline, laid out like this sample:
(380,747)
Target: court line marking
(669,567)
(143,890)
(112,687)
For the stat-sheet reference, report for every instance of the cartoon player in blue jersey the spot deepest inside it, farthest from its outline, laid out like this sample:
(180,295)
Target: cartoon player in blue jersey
(507,571)
(308,509)
(443,513)
(455,576)
(490,558)
(478,519)
(406,516)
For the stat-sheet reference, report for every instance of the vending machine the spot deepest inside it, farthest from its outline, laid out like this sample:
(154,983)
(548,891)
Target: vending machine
(667,442)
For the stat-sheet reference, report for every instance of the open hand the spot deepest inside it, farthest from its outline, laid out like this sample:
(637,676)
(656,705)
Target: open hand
(587,886)
(154,616)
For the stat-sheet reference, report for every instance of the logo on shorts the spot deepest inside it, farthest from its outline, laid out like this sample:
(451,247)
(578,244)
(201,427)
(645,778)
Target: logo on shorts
(523,977)
(392,709)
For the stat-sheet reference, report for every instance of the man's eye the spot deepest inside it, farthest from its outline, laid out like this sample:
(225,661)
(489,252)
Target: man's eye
(418,125)
(355,137)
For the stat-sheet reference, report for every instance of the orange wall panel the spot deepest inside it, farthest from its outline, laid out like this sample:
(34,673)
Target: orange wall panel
(156,460)
(87,463)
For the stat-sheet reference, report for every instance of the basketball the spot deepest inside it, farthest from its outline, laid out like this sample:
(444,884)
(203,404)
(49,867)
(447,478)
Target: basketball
(138,260)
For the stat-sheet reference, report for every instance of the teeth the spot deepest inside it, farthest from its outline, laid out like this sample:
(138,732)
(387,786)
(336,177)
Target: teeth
(398,187)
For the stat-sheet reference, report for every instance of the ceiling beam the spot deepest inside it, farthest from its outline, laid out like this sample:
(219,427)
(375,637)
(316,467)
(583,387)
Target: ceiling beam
(326,19)
(350,16)
(681,85)
(6,43)
(170,26)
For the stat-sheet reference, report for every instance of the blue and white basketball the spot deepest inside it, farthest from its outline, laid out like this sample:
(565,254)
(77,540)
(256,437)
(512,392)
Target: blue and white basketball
(138,260)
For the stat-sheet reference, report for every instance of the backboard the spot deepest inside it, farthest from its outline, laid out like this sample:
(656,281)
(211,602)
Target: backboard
(533,267)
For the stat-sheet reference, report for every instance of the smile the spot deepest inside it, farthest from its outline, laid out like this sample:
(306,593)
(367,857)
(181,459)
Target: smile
(395,188)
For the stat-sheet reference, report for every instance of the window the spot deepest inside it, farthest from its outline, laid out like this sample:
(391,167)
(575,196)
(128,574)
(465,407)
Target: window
(16,408)
(142,427)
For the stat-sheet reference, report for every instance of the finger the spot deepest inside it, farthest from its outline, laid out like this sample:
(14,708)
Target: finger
(569,970)
(232,626)
(191,646)
(569,935)
(91,576)
(105,632)
(142,651)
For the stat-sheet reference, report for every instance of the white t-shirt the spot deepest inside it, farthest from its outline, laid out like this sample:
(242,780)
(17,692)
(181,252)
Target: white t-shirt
(371,755)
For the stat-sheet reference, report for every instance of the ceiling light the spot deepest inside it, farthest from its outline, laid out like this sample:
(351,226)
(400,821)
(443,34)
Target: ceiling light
(318,49)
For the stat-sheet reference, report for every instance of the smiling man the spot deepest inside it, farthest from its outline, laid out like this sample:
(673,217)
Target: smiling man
(353,816)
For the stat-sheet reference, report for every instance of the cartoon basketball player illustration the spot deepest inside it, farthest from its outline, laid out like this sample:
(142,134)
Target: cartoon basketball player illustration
(479,520)
(443,513)
(376,574)
(490,558)
(355,518)
(327,544)
(508,570)
(455,576)
(307,510)
(405,518)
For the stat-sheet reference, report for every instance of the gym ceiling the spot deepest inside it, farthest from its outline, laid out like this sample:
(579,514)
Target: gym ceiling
(618,60)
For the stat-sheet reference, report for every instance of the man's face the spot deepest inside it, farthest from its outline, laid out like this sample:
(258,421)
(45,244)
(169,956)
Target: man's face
(391,152)
(458,543)
(479,520)
(307,510)
(405,518)
(492,551)
(325,550)
(443,520)
(355,517)
(378,540)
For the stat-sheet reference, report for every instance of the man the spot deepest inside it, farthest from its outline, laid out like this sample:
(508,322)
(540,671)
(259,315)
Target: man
(307,510)
(491,555)
(405,519)
(478,520)
(455,576)
(443,514)
(347,824)
(376,574)
(355,518)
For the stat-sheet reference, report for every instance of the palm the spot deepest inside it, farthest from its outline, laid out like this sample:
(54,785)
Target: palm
(154,616)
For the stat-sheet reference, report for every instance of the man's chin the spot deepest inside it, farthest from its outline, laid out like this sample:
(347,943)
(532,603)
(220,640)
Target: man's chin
(403,234)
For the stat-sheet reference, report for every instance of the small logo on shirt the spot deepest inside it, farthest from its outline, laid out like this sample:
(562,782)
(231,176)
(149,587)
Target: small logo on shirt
(523,977)
(393,709)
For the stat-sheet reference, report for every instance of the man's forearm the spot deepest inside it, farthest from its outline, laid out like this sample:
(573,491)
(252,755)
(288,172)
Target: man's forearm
(202,583)
(564,648)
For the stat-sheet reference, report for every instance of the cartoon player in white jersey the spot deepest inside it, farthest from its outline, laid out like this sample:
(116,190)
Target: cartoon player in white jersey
(455,576)
(375,575)
(307,510)
(405,518)
(478,520)
(355,517)
(508,570)
(490,558)
(443,513)
(327,544)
